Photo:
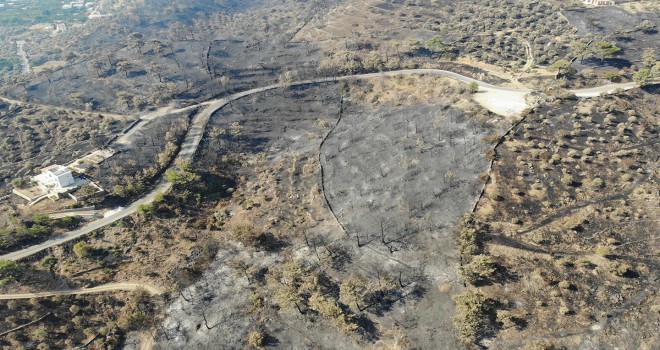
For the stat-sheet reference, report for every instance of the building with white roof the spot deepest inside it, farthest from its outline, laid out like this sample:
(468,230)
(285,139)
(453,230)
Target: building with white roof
(56,176)
(598,2)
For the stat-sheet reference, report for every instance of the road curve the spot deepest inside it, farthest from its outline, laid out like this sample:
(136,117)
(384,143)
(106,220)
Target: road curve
(99,289)
(198,125)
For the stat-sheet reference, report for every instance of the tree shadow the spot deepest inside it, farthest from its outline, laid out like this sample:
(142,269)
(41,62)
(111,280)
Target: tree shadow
(136,73)
(618,62)
(270,243)
(607,62)
(652,89)
(271,340)
(215,186)
(382,301)
(367,328)
(341,257)
(108,72)
(502,274)
(220,53)
(630,274)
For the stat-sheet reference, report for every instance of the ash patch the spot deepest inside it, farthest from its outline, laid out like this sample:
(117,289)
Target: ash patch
(398,178)
(410,169)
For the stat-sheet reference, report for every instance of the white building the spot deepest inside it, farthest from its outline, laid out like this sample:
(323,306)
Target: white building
(56,176)
(53,182)
(598,2)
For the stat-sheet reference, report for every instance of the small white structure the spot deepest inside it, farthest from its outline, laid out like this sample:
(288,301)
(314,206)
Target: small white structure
(54,181)
(599,2)
(56,176)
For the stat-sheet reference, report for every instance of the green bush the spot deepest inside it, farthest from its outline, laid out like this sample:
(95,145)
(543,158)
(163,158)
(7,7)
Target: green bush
(479,269)
(145,209)
(10,270)
(82,250)
(643,76)
(21,182)
(473,315)
(49,262)
(40,218)
(468,237)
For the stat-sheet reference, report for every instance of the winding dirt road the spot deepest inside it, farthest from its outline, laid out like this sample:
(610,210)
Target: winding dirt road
(198,125)
(98,289)
(25,63)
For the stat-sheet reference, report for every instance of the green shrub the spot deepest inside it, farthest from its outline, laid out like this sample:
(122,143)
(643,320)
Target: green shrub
(506,319)
(472,316)
(564,285)
(49,261)
(21,182)
(82,250)
(331,309)
(479,269)
(468,237)
(159,197)
(145,209)
(40,218)
(10,270)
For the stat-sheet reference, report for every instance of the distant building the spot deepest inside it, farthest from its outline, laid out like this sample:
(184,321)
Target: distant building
(56,176)
(599,2)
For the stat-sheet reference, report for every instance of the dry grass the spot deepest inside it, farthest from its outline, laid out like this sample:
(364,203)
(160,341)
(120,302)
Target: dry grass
(408,91)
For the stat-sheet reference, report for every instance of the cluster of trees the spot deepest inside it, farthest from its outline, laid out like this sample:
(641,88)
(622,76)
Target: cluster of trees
(497,31)
(650,68)
(476,266)
(476,314)
(296,287)
(183,175)
(10,270)
(128,185)
(11,238)
(473,315)
(39,227)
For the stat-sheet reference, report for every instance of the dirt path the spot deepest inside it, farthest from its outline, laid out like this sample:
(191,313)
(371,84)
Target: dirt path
(68,110)
(605,89)
(99,289)
(25,63)
(530,57)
